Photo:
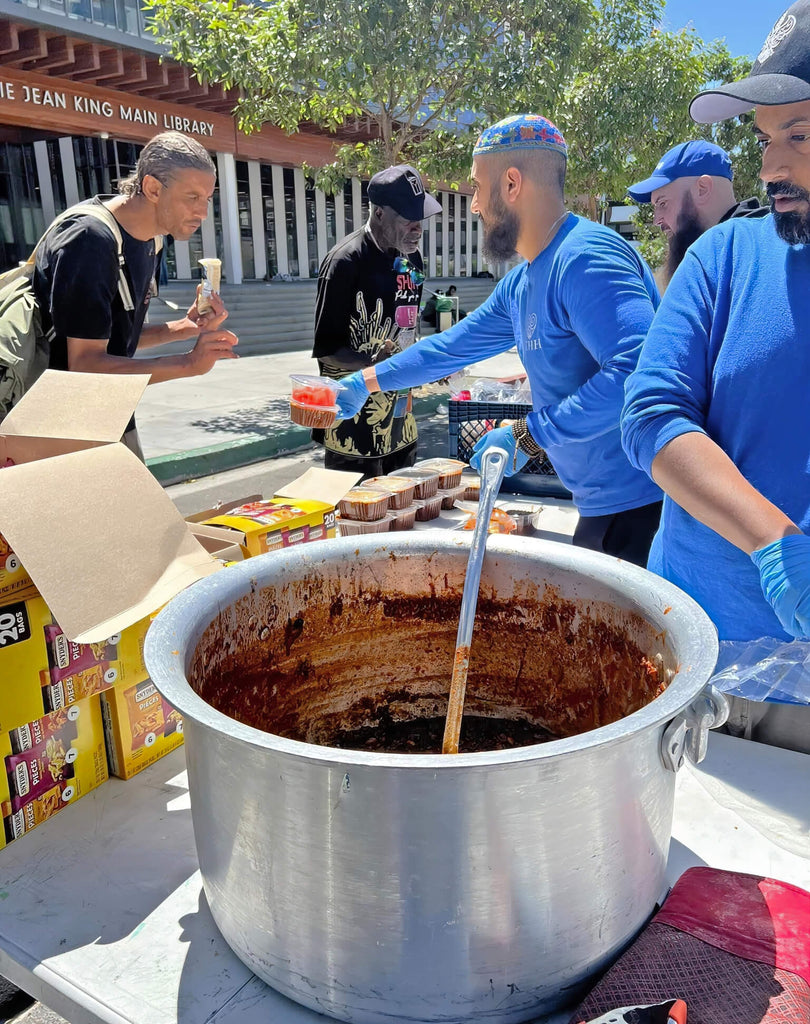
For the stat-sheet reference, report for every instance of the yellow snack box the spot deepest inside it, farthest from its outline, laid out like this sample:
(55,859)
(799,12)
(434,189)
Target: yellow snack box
(140,727)
(15,583)
(49,763)
(278,523)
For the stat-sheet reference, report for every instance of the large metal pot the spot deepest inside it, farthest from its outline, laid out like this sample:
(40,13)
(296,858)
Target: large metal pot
(380,887)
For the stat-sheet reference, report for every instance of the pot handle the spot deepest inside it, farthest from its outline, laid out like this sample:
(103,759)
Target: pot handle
(687,735)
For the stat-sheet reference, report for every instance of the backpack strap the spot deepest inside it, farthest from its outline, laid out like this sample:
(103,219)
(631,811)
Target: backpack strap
(101,213)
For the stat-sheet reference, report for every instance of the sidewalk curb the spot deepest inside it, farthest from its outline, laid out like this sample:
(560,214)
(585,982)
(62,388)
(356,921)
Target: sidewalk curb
(179,467)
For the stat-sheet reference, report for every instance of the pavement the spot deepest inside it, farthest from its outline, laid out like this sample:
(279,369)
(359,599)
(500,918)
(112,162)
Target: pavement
(238,414)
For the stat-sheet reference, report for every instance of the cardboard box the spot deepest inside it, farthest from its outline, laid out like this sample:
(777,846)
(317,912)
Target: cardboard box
(15,583)
(101,540)
(48,764)
(41,670)
(140,727)
(300,512)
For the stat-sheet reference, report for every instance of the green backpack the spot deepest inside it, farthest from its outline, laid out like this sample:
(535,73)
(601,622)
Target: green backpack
(25,347)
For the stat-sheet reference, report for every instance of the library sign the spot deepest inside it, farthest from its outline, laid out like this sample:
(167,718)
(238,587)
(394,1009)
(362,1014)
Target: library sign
(58,105)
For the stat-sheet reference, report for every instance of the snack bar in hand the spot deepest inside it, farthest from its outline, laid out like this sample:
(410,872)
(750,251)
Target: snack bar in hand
(212,268)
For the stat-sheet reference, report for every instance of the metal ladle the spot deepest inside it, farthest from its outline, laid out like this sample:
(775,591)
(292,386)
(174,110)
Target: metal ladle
(493,465)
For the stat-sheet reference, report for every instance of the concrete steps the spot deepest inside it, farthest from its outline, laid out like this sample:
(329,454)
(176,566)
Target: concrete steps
(279,316)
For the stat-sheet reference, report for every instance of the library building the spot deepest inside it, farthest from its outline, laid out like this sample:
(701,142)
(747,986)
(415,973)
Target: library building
(82,88)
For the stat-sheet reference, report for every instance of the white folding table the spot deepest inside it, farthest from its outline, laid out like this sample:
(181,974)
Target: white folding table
(103,917)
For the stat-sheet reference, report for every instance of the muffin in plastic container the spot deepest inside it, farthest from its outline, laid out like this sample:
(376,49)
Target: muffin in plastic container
(472,486)
(403,518)
(399,488)
(313,400)
(450,495)
(351,527)
(364,503)
(449,470)
(428,508)
(427,481)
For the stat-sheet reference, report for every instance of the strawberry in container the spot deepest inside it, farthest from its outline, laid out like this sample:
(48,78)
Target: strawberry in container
(313,400)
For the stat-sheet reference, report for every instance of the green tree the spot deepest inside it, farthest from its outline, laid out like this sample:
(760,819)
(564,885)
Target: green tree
(405,67)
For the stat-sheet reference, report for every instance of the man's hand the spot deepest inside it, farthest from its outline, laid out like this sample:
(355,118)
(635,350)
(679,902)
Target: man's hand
(353,396)
(784,571)
(212,318)
(211,346)
(500,437)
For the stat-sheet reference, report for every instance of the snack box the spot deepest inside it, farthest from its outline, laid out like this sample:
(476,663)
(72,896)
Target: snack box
(140,727)
(41,670)
(49,763)
(302,511)
(15,582)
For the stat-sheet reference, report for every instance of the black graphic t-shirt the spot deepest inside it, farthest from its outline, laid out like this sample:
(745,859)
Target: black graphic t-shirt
(365,312)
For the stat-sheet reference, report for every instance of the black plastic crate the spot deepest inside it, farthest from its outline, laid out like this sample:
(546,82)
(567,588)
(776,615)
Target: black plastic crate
(471,420)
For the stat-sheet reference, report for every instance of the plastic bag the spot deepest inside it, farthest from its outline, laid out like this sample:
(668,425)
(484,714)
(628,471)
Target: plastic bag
(765,669)
(485,389)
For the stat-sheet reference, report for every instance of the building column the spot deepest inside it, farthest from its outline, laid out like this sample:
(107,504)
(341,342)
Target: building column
(69,171)
(340,216)
(320,224)
(357,204)
(469,252)
(457,236)
(432,225)
(301,221)
(445,228)
(257,220)
(229,211)
(44,181)
(182,257)
(280,219)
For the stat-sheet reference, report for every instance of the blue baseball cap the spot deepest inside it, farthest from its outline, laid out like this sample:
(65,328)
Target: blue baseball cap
(687,160)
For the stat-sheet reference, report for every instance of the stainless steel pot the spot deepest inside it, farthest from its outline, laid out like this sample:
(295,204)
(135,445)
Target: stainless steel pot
(380,887)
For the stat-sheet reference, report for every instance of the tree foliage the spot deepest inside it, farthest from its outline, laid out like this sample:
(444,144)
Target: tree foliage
(425,75)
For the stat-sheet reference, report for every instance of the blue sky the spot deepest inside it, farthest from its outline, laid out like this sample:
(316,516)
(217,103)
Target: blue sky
(743,25)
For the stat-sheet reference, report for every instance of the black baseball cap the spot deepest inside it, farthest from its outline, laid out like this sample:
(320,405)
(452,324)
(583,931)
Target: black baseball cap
(781,73)
(401,188)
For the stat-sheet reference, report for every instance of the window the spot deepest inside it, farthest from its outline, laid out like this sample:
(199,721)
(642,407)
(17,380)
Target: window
(268,211)
(289,220)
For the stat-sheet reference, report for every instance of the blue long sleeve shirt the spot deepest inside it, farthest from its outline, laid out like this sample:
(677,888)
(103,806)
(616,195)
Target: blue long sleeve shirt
(578,314)
(728,354)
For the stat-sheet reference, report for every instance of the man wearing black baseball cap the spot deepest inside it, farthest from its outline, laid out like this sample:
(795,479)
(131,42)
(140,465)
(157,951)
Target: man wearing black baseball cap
(717,411)
(690,191)
(369,290)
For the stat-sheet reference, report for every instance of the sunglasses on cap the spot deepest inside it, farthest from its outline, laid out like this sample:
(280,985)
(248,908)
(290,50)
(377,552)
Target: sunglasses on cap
(402,265)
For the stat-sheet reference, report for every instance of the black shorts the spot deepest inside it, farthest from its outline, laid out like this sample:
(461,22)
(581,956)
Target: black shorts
(369,467)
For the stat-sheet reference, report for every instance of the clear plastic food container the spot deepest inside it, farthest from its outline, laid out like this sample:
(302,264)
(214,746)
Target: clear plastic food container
(428,508)
(403,518)
(450,495)
(364,503)
(400,489)
(313,400)
(449,470)
(350,527)
(427,481)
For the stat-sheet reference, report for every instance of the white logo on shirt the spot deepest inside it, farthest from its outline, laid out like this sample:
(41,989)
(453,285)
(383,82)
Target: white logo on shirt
(531,326)
(776,37)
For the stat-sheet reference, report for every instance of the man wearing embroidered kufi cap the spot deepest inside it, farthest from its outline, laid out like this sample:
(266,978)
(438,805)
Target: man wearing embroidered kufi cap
(577,309)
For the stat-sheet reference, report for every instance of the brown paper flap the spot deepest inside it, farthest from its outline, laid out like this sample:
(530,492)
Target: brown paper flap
(93,407)
(100,538)
(328,485)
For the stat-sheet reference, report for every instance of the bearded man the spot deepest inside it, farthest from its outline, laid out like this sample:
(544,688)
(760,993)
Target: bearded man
(691,190)
(367,308)
(717,410)
(578,310)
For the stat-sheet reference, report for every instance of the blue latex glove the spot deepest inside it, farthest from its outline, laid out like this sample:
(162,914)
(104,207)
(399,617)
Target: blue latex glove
(784,571)
(500,437)
(353,396)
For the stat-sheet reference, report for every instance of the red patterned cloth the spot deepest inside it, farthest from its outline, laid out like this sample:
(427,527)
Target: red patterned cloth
(734,947)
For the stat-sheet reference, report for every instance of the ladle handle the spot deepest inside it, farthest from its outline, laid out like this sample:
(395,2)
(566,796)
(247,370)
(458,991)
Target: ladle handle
(493,465)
